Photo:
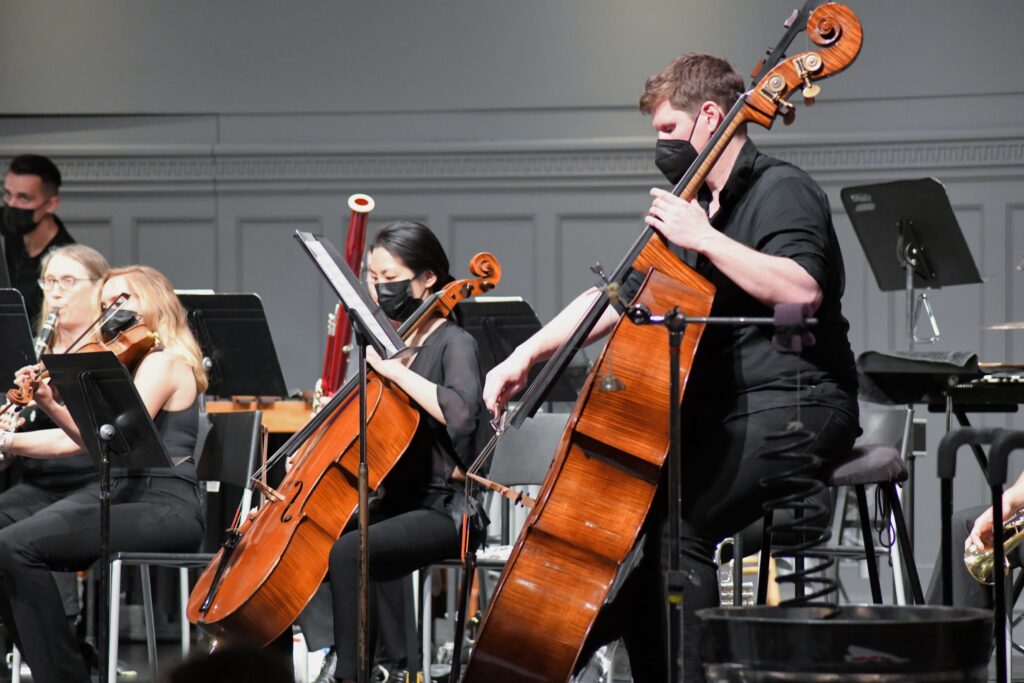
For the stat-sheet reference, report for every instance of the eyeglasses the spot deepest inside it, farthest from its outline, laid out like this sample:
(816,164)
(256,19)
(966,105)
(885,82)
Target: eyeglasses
(66,282)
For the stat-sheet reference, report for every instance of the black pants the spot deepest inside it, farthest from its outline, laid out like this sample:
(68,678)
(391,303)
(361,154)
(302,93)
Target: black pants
(723,466)
(966,591)
(399,544)
(147,515)
(23,500)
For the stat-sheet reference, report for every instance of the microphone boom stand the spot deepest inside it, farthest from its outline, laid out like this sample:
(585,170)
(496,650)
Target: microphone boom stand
(675,322)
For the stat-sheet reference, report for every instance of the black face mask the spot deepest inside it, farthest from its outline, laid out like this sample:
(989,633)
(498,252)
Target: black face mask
(396,300)
(18,222)
(674,157)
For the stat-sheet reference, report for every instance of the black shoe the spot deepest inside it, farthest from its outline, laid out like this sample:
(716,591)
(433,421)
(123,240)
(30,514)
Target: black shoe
(327,670)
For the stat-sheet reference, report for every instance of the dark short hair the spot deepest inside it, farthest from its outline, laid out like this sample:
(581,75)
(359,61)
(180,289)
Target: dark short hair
(690,80)
(37,165)
(417,247)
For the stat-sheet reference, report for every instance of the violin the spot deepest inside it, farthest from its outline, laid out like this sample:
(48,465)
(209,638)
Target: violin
(131,341)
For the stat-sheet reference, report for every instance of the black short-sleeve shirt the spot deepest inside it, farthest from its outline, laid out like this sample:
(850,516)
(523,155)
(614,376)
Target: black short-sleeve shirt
(24,269)
(777,209)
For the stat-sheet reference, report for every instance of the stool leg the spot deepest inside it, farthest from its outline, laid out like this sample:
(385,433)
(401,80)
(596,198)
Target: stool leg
(903,538)
(114,602)
(766,554)
(869,544)
(183,599)
(428,623)
(147,611)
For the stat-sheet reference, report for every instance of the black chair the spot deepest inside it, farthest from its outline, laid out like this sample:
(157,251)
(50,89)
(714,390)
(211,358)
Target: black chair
(880,464)
(228,456)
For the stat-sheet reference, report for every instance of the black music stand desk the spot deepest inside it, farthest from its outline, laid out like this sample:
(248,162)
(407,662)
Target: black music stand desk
(499,324)
(911,238)
(238,350)
(117,429)
(16,350)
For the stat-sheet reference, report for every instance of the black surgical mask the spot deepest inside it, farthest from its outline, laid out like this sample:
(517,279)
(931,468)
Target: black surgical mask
(18,222)
(396,299)
(674,157)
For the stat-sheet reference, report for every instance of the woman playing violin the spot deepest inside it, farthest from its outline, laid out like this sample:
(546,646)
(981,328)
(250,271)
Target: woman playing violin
(154,510)
(70,277)
(417,514)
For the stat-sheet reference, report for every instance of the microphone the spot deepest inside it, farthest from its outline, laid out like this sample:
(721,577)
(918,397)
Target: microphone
(46,333)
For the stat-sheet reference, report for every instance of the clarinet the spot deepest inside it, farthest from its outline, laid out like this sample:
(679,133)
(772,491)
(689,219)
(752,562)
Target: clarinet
(46,333)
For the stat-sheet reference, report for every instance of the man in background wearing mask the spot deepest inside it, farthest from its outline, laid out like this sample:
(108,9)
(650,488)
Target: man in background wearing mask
(760,230)
(30,225)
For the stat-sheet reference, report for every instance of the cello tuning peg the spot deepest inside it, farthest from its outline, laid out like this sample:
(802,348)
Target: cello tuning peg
(810,92)
(788,112)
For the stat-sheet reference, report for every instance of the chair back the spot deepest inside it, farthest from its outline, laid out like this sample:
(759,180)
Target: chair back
(524,455)
(231,448)
(881,424)
(228,459)
(523,458)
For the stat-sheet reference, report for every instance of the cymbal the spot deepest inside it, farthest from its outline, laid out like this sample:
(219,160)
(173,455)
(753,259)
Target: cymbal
(1006,326)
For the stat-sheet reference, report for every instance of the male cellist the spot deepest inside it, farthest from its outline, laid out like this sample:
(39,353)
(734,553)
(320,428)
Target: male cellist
(761,232)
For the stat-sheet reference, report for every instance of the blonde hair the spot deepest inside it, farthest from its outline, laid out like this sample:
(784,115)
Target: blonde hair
(95,265)
(162,312)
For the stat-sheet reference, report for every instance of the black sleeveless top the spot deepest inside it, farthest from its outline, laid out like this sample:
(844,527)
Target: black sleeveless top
(179,430)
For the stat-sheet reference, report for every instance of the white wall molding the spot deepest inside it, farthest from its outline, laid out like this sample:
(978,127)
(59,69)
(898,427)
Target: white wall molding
(600,163)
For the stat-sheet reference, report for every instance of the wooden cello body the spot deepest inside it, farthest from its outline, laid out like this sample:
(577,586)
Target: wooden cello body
(599,490)
(260,581)
(597,494)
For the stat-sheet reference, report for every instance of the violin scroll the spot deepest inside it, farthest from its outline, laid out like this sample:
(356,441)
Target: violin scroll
(485,265)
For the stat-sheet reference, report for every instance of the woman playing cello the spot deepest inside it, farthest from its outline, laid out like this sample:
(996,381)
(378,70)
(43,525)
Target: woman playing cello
(154,510)
(416,517)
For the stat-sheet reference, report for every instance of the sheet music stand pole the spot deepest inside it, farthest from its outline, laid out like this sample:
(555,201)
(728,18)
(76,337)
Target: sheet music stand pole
(364,512)
(113,422)
(105,433)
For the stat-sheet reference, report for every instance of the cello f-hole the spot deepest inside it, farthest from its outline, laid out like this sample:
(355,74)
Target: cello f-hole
(285,517)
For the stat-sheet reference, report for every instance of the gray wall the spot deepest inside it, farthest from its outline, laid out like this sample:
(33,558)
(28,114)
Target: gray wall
(196,136)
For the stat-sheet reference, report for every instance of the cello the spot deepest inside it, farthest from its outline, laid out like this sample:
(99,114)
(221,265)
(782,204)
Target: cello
(272,564)
(574,543)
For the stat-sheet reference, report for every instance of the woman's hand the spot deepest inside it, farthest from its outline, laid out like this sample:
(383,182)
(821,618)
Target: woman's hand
(505,380)
(388,369)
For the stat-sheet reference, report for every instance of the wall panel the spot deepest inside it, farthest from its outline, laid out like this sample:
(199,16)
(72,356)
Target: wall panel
(162,243)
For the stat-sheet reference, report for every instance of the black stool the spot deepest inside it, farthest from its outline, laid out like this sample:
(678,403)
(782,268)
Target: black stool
(869,464)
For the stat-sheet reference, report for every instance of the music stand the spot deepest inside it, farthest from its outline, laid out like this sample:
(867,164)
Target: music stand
(16,350)
(115,426)
(499,324)
(238,350)
(911,238)
(369,326)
